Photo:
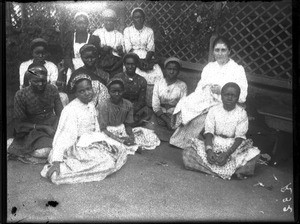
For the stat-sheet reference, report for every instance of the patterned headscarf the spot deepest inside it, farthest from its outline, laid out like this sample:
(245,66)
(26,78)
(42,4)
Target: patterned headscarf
(77,78)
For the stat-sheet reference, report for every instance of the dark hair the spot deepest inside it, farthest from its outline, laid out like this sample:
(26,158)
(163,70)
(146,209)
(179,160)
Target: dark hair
(38,42)
(233,85)
(174,62)
(115,81)
(132,55)
(222,39)
(88,47)
(78,81)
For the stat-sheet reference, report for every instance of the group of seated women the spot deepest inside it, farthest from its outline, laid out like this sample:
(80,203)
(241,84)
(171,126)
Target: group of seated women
(86,132)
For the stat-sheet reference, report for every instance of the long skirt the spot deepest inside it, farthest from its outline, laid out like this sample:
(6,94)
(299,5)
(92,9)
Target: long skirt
(242,161)
(144,138)
(184,133)
(88,163)
(151,76)
(159,127)
(26,141)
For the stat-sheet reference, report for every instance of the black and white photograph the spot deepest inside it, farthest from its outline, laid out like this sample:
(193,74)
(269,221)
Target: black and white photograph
(150,111)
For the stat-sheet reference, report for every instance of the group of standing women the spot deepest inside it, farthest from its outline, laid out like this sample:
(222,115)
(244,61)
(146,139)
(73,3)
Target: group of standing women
(111,80)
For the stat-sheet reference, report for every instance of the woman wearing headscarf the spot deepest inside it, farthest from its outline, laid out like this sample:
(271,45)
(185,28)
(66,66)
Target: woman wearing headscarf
(112,42)
(39,50)
(81,153)
(37,108)
(166,95)
(139,39)
(74,40)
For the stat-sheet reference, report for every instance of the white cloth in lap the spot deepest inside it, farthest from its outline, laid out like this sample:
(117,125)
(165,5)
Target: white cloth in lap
(82,164)
(51,69)
(142,41)
(167,94)
(112,39)
(202,99)
(144,137)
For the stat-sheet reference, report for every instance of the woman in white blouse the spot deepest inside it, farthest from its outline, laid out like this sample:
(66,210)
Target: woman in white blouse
(111,44)
(167,93)
(139,39)
(191,111)
(39,49)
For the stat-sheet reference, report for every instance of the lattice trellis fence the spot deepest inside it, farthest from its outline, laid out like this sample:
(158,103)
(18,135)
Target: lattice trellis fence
(261,34)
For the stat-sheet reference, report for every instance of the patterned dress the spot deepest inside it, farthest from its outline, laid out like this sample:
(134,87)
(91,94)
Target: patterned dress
(113,117)
(225,127)
(190,112)
(37,109)
(84,152)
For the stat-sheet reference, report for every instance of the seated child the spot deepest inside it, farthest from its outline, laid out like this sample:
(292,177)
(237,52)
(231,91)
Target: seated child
(116,120)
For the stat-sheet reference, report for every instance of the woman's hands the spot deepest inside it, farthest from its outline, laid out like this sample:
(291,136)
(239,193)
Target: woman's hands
(48,129)
(129,141)
(219,160)
(216,89)
(222,159)
(211,156)
(54,168)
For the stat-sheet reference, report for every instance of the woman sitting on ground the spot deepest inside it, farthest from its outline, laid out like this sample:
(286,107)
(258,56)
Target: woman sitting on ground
(112,42)
(139,39)
(167,93)
(135,88)
(99,78)
(80,153)
(37,108)
(190,112)
(39,50)
(116,120)
(225,150)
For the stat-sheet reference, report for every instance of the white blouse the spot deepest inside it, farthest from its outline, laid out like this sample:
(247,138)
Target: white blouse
(167,94)
(213,73)
(76,119)
(51,69)
(231,124)
(141,41)
(112,39)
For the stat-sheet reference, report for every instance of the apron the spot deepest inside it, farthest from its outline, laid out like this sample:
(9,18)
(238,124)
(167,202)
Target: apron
(77,62)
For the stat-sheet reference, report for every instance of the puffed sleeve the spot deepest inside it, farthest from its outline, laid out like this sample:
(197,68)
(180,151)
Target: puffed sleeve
(66,134)
(155,100)
(19,107)
(23,68)
(150,41)
(183,90)
(127,42)
(243,83)
(52,72)
(206,73)
(103,115)
(210,122)
(242,125)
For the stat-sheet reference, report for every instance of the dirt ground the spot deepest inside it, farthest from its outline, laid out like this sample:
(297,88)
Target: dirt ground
(152,186)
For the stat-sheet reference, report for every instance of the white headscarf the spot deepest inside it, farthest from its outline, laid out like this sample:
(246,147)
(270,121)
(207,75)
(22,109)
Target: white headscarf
(109,13)
(138,8)
(82,14)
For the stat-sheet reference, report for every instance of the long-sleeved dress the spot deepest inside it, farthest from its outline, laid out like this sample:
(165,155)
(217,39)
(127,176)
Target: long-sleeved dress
(225,126)
(39,109)
(191,111)
(108,60)
(142,41)
(84,152)
(113,117)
